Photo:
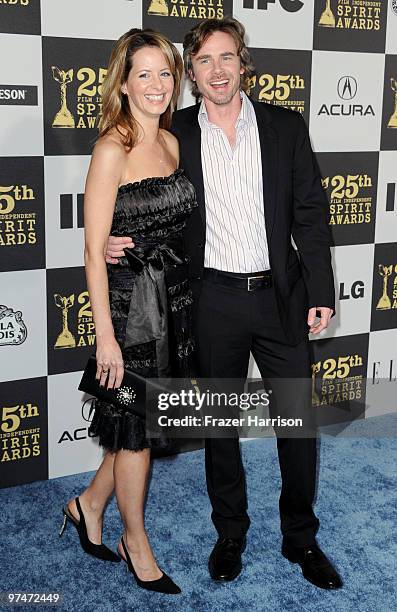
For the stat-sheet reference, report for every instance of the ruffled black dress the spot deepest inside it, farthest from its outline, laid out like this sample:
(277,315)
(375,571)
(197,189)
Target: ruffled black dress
(150,299)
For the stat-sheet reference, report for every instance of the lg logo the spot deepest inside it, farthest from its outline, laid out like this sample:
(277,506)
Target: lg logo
(291,6)
(355,291)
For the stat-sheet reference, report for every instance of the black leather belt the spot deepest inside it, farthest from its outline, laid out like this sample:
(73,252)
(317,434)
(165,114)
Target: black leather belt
(248,282)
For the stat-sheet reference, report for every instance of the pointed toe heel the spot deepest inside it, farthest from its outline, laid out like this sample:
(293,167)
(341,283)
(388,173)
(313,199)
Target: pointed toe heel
(165,584)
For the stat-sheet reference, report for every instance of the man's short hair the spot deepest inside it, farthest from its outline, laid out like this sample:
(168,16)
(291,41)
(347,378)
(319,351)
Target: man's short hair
(197,36)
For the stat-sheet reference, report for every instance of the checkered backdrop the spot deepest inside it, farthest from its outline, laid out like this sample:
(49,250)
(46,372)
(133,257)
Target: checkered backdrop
(333,61)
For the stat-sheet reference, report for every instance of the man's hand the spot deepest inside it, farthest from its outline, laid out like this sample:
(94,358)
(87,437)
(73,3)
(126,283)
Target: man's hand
(325,316)
(115,248)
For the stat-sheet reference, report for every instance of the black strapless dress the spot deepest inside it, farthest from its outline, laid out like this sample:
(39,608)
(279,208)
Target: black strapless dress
(150,299)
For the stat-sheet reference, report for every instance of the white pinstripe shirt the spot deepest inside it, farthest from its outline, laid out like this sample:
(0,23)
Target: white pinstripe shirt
(233,187)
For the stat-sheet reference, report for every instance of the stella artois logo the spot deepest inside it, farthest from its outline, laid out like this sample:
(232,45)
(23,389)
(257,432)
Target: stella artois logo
(12,327)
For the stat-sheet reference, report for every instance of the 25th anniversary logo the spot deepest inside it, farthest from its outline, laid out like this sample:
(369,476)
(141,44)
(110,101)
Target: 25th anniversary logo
(350,181)
(71,330)
(73,75)
(23,431)
(22,213)
(282,78)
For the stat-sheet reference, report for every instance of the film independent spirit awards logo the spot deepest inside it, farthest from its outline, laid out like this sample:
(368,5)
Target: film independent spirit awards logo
(205,9)
(337,380)
(350,16)
(349,199)
(19,439)
(12,327)
(20,228)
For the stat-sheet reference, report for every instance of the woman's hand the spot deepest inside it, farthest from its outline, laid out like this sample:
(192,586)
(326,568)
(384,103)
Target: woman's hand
(109,363)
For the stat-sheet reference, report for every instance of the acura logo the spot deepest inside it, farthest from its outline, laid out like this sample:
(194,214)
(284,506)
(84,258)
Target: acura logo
(87,409)
(347,87)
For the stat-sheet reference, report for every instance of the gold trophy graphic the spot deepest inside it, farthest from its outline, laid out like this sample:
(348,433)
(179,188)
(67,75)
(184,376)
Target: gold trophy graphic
(63,118)
(327,19)
(384,300)
(393,119)
(65,338)
(250,84)
(315,368)
(158,7)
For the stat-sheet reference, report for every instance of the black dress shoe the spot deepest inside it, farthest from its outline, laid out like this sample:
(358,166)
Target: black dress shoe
(316,568)
(225,560)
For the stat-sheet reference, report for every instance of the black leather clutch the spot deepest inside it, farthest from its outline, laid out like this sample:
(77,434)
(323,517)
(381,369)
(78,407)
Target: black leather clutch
(130,396)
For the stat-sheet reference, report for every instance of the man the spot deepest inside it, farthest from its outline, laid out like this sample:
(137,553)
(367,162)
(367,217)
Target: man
(257,184)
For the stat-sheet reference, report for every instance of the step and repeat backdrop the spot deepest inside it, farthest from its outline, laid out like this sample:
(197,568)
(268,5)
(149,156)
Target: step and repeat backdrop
(334,61)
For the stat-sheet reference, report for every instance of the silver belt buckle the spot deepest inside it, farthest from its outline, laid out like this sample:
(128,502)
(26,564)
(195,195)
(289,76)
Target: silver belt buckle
(252,278)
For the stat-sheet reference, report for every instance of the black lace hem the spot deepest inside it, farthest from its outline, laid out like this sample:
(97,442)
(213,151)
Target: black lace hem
(118,429)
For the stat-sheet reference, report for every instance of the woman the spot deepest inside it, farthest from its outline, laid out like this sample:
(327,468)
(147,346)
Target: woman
(134,189)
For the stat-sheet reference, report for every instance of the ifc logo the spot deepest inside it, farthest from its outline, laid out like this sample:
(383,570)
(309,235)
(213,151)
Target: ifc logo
(291,6)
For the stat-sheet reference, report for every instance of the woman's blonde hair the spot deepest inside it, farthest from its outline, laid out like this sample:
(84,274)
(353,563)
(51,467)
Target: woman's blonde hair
(116,112)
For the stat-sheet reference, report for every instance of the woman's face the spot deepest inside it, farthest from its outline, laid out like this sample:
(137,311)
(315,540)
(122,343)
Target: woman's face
(150,83)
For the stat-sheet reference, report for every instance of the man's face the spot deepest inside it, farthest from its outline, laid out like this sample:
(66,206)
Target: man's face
(217,68)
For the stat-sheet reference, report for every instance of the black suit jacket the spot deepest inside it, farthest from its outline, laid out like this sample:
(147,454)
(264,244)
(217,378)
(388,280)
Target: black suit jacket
(294,204)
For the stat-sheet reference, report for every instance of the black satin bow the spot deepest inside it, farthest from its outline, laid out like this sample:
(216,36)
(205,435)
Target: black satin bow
(147,316)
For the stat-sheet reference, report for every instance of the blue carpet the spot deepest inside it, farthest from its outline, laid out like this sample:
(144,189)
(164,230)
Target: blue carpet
(356,503)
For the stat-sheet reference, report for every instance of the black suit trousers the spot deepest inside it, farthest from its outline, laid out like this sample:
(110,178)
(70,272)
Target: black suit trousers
(231,323)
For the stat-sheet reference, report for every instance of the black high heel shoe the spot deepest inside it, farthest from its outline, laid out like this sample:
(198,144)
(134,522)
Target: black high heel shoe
(96,550)
(161,585)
